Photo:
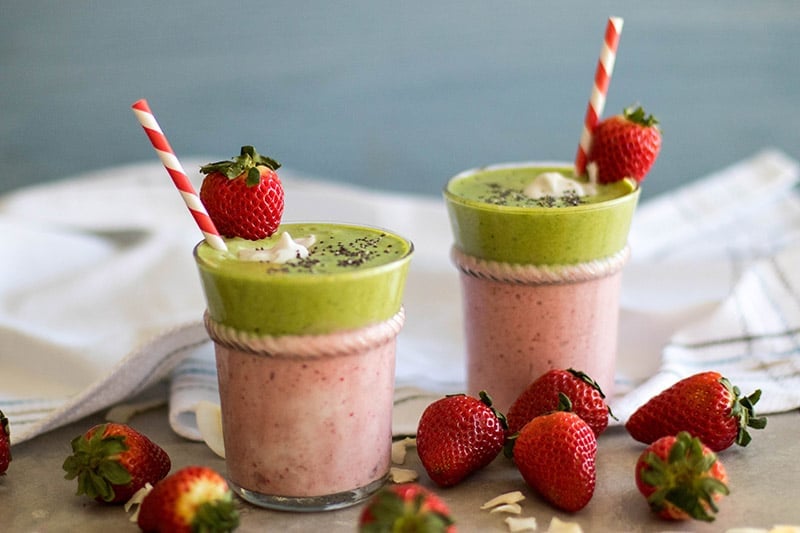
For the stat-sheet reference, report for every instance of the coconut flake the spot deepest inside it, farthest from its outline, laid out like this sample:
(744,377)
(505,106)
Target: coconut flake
(559,526)
(285,249)
(122,413)
(554,184)
(209,423)
(136,500)
(510,508)
(402,475)
(399,449)
(515,523)
(506,498)
(593,171)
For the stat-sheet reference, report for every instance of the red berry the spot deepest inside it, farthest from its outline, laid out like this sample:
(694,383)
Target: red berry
(113,461)
(706,405)
(195,498)
(244,197)
(5,444)
(409,508)
(625,146)
(458,435)
(555,453)
(542,397)
(681,478)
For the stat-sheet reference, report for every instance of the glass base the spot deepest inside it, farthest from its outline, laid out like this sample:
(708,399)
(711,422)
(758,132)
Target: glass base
(326,502)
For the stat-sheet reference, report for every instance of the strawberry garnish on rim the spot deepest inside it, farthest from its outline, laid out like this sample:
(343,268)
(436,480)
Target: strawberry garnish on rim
(244,196)
(625,146)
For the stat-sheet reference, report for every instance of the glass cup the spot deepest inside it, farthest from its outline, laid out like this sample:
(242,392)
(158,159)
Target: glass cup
(540,284)
(305,360)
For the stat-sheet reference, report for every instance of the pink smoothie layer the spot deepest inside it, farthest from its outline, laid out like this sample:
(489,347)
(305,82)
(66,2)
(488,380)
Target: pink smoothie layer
(305,427)
(519,331)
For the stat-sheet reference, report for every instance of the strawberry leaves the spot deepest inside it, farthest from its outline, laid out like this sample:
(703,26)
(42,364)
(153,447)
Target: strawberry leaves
(390,511)
(94,463)
(112,461)
(247,161)
(743,411)
(637,115)
(683,479)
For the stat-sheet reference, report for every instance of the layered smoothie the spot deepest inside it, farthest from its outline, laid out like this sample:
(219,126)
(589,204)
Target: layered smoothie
(304,325)
(540,254)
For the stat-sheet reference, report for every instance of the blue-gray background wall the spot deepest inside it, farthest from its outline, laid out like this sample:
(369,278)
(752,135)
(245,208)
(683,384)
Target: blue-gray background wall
(392,95)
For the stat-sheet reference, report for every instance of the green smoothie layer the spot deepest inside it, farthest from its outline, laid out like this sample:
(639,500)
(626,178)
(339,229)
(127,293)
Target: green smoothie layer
(353,276)
(492,219)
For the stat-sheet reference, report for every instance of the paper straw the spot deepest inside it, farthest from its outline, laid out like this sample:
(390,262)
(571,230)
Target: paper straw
(178,175)
(597,101)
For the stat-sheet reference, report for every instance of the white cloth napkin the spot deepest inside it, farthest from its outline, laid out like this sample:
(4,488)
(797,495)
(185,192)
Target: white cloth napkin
(99,297)
(714,284)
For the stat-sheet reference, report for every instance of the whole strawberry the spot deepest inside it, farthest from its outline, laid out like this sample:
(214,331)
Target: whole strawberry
(5,444)
(542,396)
(244,196)
(112,461)
(706,405)
(555,453)
(458,435)
(625,146)
(195,498)
(409,508)
(681,478)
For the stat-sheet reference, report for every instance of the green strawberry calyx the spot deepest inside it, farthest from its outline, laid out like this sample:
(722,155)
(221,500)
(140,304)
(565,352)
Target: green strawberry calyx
(743,410)
(216,515)
(683,479)
(391,512)
(583,376)
(637,115)
(247,162)
(95,463)
(487,400)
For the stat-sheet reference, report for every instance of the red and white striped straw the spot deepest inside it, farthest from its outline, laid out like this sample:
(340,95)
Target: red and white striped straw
(597,101)
(178,175)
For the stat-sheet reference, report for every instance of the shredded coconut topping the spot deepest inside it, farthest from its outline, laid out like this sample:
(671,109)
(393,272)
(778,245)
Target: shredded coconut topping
(553,184)
(285,249)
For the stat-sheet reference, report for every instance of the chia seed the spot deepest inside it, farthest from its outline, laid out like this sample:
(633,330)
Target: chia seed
(499,195)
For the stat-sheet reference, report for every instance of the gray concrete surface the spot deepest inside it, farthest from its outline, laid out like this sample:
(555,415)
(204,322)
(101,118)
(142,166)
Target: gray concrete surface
(34,497)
